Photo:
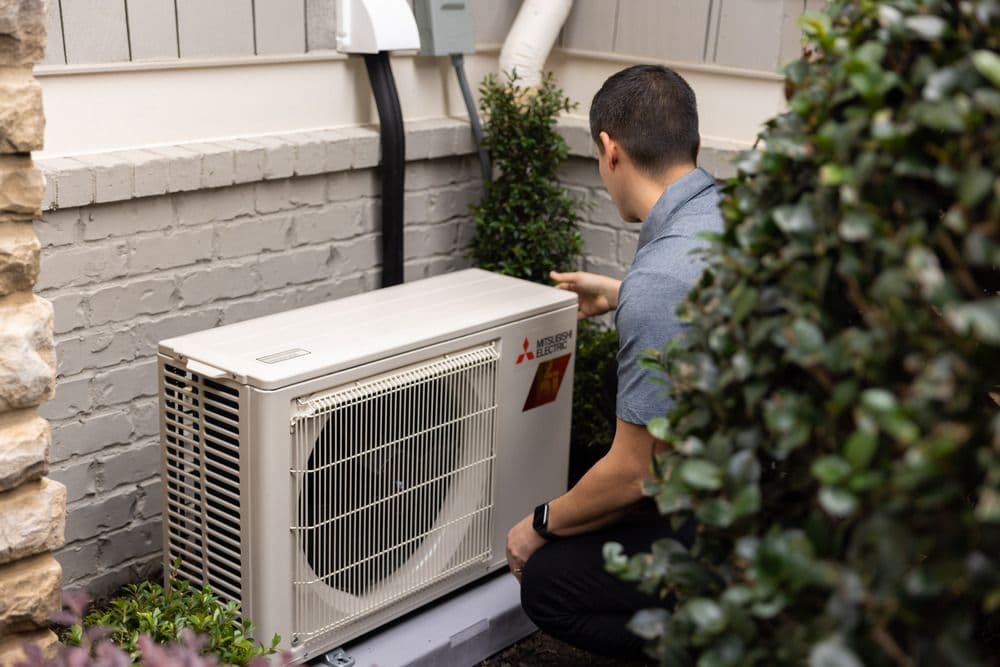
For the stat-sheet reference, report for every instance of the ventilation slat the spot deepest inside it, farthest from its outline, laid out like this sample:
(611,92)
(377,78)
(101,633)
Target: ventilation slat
(209,517)
(200,427)
(224,450)
(192,532)
(197,543)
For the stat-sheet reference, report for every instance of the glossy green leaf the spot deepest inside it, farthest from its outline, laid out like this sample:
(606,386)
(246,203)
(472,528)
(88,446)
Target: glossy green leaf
(659,428)
(747,501)
(807,337)
(831,470)
(743,467)
(649,623)
(976,185)
(878,400)
(857,226)
(980,319)
(987,63)
(833,653)
(716,512)
(706,615)
(838,502)
(744,299)
(794,219)
(815,24)
(701,474)
(927,26)
(860,448)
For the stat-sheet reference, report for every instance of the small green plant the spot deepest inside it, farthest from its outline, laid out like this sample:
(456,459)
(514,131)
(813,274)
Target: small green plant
(593,404)
(167,616)
(526,224)
(833,431)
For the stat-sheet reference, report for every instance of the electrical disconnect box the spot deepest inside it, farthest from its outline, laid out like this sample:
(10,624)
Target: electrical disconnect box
(445,27)
(371,26)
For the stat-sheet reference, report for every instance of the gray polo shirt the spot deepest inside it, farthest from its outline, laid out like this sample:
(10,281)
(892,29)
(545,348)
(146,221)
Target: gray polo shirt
(659,279)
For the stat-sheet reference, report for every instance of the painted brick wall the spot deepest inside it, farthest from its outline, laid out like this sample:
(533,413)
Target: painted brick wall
(124,275)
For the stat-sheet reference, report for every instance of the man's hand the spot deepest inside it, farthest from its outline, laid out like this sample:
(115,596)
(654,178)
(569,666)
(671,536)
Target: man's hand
(522,541)
(597,294)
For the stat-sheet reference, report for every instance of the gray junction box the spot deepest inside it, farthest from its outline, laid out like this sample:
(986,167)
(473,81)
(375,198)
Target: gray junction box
(445,27)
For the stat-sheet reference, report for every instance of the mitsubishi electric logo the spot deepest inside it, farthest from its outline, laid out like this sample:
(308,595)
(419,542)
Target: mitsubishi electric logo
(545,346)
(549,372)
(527,355)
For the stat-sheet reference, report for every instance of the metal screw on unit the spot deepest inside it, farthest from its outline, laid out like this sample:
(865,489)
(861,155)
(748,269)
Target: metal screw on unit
(338,658)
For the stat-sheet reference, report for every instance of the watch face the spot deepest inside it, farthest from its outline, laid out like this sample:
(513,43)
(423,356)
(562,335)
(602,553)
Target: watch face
(541,520)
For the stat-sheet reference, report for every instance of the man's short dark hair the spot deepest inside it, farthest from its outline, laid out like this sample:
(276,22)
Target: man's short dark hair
(651,111)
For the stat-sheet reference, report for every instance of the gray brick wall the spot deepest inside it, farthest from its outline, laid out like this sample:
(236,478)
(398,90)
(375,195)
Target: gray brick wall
(185,242)
(125,274)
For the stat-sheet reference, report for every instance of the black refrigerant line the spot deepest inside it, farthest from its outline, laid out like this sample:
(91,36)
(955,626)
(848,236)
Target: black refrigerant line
(390,117)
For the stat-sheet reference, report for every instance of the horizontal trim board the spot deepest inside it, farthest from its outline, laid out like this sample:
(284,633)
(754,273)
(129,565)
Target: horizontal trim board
(114,107)
(687,66)
(43,71)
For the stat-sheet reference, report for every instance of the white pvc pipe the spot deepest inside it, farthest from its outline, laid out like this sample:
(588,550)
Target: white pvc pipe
(532,37)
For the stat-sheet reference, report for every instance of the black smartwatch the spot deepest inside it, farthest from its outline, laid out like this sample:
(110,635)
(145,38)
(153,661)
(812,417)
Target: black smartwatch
(541,522)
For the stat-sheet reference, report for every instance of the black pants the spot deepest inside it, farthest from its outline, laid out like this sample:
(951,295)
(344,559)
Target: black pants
(566,591)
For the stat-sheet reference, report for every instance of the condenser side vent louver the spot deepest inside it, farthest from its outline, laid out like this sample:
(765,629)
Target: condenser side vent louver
(201,450)
(392,477)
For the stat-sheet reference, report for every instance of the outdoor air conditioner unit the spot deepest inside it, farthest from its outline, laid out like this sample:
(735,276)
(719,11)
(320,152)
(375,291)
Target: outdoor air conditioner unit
(334,467)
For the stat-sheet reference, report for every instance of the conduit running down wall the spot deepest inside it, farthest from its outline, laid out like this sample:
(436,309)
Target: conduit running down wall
(390,117)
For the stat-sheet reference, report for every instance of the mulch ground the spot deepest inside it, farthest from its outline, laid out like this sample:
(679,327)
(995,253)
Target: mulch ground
(540,650)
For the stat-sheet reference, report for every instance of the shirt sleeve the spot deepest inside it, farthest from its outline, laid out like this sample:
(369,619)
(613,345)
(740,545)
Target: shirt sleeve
(646,320)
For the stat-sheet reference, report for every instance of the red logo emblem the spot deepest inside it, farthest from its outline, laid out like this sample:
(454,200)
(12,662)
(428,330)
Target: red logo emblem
(527,355)
(548,379)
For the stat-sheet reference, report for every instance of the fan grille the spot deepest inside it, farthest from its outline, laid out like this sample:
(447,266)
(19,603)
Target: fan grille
(393,481)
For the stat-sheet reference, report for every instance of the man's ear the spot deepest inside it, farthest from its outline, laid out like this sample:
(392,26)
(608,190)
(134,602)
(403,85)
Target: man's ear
(610,149)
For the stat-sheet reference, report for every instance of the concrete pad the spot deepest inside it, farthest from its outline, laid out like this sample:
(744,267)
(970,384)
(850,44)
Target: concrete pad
(460,631)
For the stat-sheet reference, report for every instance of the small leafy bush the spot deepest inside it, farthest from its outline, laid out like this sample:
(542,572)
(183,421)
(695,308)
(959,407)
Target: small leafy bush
(149,615)
(526,226)
(833,432)
(593,422)
(526,223)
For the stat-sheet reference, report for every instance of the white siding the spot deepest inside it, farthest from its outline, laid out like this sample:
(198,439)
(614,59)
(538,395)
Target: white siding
(152,29)
(216,28)
(280,26)
(95,31)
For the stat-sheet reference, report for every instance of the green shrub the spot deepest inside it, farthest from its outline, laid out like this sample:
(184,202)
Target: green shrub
(526,226)
(593,421)
(833,431)
(147,609)
(525,223)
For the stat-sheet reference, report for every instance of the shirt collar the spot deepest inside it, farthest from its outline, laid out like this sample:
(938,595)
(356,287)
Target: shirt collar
(680,192)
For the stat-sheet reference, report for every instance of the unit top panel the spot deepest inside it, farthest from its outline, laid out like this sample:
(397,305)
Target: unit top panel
(285,348)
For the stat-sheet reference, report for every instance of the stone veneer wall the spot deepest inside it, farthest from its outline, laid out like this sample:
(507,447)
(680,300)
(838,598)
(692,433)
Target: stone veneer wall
(32,507)
(144,245)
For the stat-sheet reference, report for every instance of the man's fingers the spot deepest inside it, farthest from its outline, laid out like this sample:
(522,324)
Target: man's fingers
(567,277)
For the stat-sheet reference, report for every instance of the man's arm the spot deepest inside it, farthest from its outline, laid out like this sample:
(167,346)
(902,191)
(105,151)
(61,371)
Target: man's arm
(601,496)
